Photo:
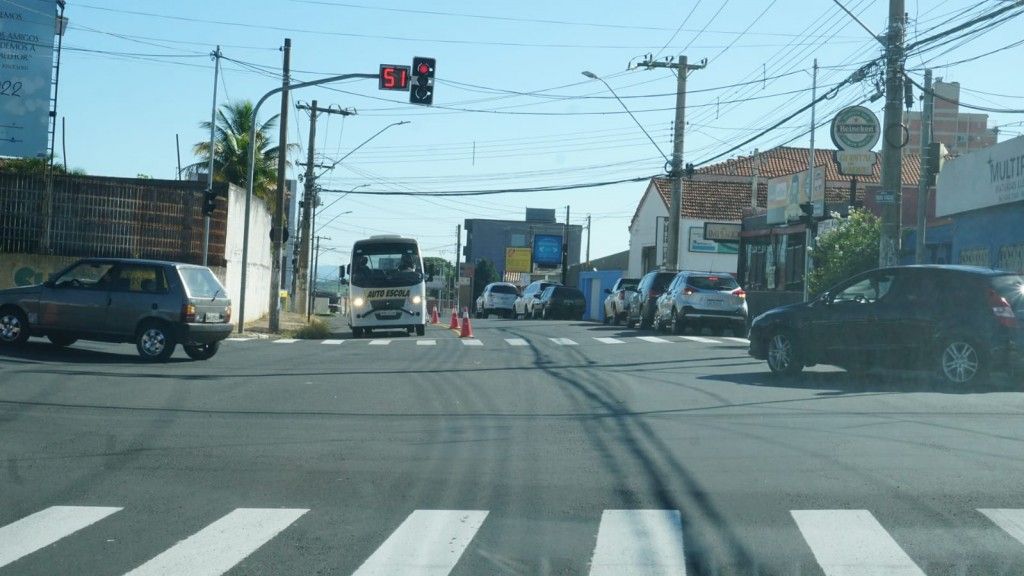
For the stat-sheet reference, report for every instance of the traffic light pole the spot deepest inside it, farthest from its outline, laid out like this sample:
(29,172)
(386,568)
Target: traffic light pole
(922,187)
(892,138)
(251,169)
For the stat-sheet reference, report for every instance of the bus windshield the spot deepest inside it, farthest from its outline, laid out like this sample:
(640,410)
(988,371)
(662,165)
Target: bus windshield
(386,264)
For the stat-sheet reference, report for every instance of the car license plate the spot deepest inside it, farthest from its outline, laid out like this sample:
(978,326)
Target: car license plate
(388,315)
(210,317)
(713,301)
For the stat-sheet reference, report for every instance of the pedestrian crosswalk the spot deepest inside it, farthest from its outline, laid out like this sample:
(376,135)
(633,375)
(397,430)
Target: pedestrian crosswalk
(513,342)
(643,542)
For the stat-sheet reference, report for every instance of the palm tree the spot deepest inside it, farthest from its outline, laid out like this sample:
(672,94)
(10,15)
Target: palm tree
(231,151)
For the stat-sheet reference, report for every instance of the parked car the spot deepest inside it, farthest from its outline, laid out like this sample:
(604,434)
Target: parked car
(560,302)
(643,304)
(617,300)
(524,305)
(497,298)
(157,305)
(702,299)
(959,321)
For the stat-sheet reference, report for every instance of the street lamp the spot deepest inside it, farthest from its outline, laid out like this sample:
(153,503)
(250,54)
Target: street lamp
(593,76)
(350,152)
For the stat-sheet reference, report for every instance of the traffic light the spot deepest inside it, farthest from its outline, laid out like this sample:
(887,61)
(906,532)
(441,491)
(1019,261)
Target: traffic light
(209,202)
(936,157)
(422,90)
(808,213)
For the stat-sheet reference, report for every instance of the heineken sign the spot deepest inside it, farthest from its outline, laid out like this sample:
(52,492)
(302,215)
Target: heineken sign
(855,131)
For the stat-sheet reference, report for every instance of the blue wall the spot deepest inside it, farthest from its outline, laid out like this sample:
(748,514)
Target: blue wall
(990,228)
(605,279)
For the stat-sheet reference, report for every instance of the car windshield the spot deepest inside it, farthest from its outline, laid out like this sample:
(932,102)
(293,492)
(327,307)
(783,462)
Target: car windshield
(88,275)
(200,282)
(721,283)
(385,264)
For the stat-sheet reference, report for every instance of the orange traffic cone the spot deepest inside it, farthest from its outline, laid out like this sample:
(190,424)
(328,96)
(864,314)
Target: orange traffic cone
(434,319)
(455,320)
(467,328)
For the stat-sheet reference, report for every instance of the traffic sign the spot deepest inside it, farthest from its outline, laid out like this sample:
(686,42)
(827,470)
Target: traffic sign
(882,197)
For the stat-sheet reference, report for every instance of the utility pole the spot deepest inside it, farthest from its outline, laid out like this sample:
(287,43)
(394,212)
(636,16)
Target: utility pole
(588,240)
(676,173)
(277,227)
(458,259)
(808,232)
(892,138)
(755,178)
(308,200)
(316,270)
(209,176)
(922,186)
(565,248)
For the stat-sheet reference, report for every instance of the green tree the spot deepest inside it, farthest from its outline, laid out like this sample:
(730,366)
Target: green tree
(35,166)
(231,151)
(485,274)
(849,249)
(439,266)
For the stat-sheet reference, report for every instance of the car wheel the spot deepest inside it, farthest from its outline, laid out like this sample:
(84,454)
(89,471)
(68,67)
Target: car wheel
(61,340)
(357,333)
(961,362)
(155,342)
(783,354)
(630,323)
(202,351)
(607,318)
(678,322)
(421,329)
(13,326)
(645,323)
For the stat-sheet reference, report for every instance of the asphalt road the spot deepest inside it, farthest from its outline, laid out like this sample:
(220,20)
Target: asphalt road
(546,448)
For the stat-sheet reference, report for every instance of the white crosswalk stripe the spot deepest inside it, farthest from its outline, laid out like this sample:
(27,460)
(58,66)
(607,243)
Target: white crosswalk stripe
(853,543)
(653,339)
(238,339)
(563,341)
(700,339)
(639,543)
(428,543)
(609,340)
(380,342)
(215,549)
(285,341)
(45,527)
(516,342)
(333,342)
(426,342)
(1010,520)
(471,342)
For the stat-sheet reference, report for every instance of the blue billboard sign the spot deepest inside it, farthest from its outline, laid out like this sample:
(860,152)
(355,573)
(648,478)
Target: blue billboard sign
(547,250)
(27,30)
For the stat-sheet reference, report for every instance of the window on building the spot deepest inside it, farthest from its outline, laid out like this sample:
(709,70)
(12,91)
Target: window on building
(517,240)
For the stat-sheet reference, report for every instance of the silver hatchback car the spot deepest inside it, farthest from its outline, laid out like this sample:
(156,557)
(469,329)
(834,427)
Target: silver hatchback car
(155,304)
(702,299)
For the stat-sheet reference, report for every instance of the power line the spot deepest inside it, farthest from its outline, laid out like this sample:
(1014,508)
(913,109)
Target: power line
(580,186)
(961,103)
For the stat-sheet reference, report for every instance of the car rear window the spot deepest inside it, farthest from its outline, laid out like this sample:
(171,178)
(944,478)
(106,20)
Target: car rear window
(201,282)
(503,289)
(1011,287)
(713,282)
(662,280)
(563,292)
(631,283)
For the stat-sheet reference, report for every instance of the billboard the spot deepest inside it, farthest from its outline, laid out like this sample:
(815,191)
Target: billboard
(547,250)
(27,29)
(700,245)
(517,260)
(786,193)
(981,179)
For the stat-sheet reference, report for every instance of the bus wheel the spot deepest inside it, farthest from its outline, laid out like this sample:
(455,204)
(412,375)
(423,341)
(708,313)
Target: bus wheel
(357,333)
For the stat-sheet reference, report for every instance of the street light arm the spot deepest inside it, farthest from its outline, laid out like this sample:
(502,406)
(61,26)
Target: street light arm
(350,152)
(593,76)
(342,196)
(336,216)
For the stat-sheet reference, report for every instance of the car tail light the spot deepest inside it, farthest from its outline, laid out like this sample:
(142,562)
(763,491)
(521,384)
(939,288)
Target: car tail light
(1002,310)
(188,313)
(688,291)
(739,292)
(227,314)
(653,294)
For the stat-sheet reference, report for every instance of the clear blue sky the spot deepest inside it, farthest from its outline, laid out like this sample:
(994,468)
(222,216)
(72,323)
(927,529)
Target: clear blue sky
(148,78)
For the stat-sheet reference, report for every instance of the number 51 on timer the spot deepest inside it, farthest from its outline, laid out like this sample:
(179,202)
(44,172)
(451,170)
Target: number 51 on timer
(394,77)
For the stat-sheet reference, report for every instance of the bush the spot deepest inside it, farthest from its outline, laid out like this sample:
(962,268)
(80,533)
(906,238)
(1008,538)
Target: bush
(850,249)
(315,330)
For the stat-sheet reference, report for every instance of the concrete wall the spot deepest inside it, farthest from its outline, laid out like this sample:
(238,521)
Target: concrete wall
(697,260)
(257,292)
(642,233)
(28,269)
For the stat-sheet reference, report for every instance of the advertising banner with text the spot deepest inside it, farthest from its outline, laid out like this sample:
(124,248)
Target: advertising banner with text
(27,30)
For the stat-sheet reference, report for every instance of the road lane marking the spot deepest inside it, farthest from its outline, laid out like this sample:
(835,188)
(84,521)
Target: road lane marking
(734,339)
(639,543)
(215,549)
(853,543)
(653,339)
(426,342)
(428,543)
(333,342)
(380,342)
(45,527)
(563,341)
(286,341)
(238,339)
(471,342)
(516,342)
(1009,519)
(609,340)
(700,339)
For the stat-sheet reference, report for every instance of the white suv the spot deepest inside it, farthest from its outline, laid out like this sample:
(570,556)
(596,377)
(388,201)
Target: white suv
(497,298)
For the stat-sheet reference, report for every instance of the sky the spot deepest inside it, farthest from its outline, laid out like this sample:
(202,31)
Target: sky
(511,107)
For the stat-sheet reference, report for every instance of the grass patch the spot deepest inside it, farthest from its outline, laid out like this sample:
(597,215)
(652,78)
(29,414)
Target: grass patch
(315,330)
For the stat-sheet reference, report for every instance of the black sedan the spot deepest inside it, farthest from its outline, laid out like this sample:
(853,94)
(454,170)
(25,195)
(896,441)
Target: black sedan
(560,302)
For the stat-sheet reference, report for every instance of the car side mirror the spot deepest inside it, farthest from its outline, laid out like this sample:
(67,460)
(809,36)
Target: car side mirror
(826,298)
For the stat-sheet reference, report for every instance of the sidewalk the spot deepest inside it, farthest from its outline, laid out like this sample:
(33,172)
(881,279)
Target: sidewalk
(290,322)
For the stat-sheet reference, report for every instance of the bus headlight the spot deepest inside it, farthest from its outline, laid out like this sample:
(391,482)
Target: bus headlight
(416,299)
(358,302)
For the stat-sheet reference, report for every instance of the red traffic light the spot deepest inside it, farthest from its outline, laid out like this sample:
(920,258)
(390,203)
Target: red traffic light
(423,68)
